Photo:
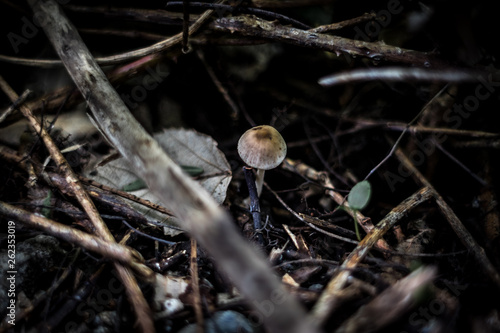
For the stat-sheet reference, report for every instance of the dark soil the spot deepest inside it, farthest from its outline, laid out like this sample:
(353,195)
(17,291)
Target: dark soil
(228,83)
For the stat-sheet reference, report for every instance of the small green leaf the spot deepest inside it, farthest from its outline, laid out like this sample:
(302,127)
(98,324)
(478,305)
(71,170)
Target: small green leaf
(139,184)
(47,209)
(360,195)
(136,185)
(193,171)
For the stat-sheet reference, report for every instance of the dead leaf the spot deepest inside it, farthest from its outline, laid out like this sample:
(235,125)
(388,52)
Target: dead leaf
(185,147)
(191,148)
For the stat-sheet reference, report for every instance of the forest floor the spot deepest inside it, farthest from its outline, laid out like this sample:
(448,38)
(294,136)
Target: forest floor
(402,94)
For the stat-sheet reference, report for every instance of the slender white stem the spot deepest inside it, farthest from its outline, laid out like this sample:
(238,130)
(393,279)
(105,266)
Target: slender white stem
(259,180)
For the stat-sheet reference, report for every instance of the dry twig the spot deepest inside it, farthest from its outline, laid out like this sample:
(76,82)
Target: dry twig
(399,74)
(76,237)
(463,234)
(123,57)
(256,27)
(328,300)
(308,172)
(314,223)
(340,25)
(195,284)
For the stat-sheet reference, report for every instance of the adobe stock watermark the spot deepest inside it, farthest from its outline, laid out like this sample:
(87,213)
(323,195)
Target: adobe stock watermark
(223,10)
(383,18)
(268,307)
(279,118)
(227,7)
(424,314)
(29,29)
(372,28)
(11,272)
(454,117)
(150,81)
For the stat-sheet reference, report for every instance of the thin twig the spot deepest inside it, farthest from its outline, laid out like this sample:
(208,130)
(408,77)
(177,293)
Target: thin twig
(157,16)
(122,57)
(137,231)
(463,234)
(340,25)
(220,8)
(364,124)
(15,105)
(126,195)
(321,177)
(322,262)
(220,87)
(413,121)
(398,74)
(460,164)
(303,219)
(391,304)
(73,302)
(317,151)
(324,306)
(195,284)
(76,237)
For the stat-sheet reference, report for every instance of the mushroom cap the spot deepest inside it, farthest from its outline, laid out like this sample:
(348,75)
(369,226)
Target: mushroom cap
(262,147)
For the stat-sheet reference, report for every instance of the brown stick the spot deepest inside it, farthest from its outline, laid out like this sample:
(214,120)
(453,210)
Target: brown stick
(340,25)
(76,237)
(255,27)
(312,222)
(195,284)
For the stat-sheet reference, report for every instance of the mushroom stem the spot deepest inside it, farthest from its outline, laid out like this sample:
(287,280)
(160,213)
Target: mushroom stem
(254,204)
(259,180)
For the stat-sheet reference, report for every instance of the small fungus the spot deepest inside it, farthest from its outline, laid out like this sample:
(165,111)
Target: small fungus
(263,148)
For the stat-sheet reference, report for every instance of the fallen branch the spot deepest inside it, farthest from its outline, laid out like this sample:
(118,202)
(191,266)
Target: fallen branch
(76,237)
(255,27)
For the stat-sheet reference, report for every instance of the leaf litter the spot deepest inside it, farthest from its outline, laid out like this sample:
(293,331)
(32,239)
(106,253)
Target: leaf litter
(187,148)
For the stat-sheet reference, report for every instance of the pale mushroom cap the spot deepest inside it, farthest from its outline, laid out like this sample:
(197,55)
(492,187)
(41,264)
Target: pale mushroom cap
(262,147)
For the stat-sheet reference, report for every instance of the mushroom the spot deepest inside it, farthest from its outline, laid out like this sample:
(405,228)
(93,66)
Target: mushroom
(263,148)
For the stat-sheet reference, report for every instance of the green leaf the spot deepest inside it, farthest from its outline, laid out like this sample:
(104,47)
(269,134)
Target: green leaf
(47,209)
(137,184)
(193,171)
(360,195)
